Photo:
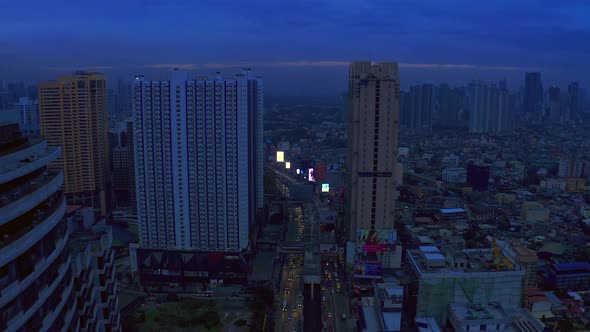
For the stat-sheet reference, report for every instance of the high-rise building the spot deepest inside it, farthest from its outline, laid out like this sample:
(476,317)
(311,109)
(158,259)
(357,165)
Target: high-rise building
(489,108)
(554,105)
(449,102)
(73,113)
(36,283)
(28,110)
(198,158)
(418,109)
(374,92)
(574,101)
(533,96)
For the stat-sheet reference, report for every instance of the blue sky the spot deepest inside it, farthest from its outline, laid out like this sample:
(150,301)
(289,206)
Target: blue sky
(299,46)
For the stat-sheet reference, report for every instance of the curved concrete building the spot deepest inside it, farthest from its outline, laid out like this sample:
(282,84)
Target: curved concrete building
(36,282)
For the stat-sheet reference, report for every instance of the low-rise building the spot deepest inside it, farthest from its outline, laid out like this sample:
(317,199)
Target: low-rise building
(454,175)
(534,211)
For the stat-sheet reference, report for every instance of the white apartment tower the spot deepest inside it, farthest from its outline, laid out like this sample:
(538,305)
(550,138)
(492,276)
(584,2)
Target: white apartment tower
(198,160)
(374,91)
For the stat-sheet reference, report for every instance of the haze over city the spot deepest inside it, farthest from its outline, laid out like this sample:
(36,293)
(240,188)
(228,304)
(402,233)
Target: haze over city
(310,42)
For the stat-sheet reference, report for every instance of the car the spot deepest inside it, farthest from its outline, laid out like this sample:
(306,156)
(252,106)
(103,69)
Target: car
(294,309)
(286,291)
(329,315)
(299,304)
(289,318)
(332,290)
(300,294)
(293,329)
(343,316)
(323,288)
(324,298)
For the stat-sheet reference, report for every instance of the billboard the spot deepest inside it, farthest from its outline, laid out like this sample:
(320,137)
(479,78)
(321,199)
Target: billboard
(368,270)
(382,240)
(325,187)
(287,165)
(310,175)
(320,172)
(280,156)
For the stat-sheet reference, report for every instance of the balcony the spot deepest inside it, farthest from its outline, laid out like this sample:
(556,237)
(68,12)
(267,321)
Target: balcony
(17,168)
(25,197)
(17,286)
(30,227)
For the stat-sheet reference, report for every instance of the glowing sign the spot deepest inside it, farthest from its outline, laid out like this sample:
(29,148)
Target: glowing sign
(310,175)
(298,171)
(287,165)
(280,156)
(325,187)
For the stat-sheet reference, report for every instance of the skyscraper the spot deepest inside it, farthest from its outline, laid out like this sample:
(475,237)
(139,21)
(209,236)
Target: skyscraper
(198,157)
(533,96)
(489,108)
(374,92)
(28,110)
(449,102)
(554,105)
(419,108)
(73,113)
(574,101)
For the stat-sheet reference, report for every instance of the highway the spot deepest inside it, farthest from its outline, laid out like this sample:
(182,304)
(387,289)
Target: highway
(290,296)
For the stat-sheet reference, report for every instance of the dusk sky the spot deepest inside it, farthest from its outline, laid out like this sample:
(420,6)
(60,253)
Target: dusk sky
(300,47)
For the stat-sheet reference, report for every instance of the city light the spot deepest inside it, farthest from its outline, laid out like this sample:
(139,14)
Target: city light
(298,171)
(280,156)
(310,175)
(325,187)
(287,165)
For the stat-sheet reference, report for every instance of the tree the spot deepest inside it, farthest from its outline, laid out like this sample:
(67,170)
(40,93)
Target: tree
(240,323)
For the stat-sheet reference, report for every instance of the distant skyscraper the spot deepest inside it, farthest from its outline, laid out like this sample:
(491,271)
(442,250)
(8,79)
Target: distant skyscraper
(533,96)
(372,144)
(419,108)
(28,110)
(74,115)
(489,108)
(449,102)
(574,101)
(554,105)
(198,157)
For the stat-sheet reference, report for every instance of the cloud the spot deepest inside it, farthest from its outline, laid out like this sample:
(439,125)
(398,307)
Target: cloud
(328,64)
(460,66)
(86,68)
(181,66)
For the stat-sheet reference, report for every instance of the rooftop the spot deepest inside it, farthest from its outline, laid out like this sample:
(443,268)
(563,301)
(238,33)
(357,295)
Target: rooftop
(427,260)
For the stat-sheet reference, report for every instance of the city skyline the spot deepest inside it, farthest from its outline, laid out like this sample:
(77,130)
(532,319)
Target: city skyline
(433,43)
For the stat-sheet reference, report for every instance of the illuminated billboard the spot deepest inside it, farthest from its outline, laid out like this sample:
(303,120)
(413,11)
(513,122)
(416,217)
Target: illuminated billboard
(280,156)
(325,187)
(310,175)
(287,165)
(376,240)
(369,270)
(320,172)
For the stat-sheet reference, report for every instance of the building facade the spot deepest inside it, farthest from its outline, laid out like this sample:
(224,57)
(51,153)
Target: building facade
(198,161)
(418,108)
(372,144)
(28,110)
(489,108)
(36,282)
(73,114)
(533,97)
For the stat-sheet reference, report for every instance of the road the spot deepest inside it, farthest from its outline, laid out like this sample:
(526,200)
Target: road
(290,295)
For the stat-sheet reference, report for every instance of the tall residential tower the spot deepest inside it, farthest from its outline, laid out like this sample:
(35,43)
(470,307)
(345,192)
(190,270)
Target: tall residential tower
(73,113)
(374,91)
(198,157)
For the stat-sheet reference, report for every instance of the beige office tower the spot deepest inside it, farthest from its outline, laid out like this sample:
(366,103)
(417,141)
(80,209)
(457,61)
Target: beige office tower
(73,115)
(374,91)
